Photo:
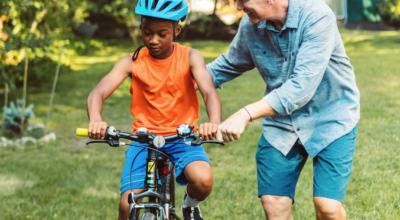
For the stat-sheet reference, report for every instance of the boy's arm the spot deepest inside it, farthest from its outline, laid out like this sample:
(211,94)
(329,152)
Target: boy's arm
(210,95)
(101,92)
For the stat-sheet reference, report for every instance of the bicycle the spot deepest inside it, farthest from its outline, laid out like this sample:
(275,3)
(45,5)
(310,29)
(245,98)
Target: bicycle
(161,202)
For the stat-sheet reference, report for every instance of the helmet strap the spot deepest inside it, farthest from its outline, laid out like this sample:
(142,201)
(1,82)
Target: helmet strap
(173,29)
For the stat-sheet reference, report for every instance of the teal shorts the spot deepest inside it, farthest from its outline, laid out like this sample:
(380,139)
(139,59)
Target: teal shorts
(278,175)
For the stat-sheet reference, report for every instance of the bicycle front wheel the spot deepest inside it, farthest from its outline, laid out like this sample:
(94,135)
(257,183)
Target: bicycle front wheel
(148,216)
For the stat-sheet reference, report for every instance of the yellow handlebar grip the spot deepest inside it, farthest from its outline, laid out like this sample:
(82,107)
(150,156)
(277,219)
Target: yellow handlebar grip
(82,132)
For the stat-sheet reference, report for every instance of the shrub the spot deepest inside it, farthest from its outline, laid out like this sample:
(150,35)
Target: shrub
(12,119)
(390,12)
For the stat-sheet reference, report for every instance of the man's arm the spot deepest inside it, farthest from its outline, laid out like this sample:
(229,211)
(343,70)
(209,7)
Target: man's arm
(312,60)
(209,93)
(101,92)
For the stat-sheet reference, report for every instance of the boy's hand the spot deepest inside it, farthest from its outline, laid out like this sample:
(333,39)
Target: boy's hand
(208,131)
(97,129)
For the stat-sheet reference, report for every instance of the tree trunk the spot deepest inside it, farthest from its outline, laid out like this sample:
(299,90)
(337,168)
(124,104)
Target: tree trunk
(133,32)
(232,4)
(209,32)
(24,92)
(54,87)
(5,94)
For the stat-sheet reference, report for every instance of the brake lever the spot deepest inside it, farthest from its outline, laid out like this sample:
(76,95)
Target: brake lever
(112,143)
(197,141)
(96,141)
(214,142)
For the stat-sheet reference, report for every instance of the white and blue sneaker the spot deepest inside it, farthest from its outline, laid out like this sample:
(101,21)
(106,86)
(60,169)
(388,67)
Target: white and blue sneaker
(191,213)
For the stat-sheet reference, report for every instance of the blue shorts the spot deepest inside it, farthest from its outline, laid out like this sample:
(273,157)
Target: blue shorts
(278,175)
(181,155)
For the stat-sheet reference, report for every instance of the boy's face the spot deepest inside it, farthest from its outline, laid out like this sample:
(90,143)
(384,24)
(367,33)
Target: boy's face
(157,36)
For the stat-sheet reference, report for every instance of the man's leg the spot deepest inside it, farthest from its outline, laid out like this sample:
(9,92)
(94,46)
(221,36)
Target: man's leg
(277,178)
(277,207)
(332,169)
(329,209)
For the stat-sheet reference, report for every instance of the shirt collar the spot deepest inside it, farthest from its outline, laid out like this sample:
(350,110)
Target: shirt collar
(292,18)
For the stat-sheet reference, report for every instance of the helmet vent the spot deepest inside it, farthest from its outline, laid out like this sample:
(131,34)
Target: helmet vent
(179,6)
(155,2)
(140,3)
(165,5)
(146,4)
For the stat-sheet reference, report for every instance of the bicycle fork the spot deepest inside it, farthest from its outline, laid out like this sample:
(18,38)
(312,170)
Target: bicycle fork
(164,167)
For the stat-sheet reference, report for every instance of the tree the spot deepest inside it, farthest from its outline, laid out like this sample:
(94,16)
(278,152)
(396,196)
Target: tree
(33,25)
(112,13)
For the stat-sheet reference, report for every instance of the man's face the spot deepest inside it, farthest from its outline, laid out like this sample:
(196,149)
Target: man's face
(157,36)
(257,10)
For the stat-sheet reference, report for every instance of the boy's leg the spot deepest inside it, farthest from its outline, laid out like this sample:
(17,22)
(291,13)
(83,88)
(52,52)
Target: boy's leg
(332,169)
(192,168)
(136,173)
(199,177)
(124,205)
(200,180)
(277,178)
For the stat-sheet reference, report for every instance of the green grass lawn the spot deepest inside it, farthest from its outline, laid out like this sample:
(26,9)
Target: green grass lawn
(68,180)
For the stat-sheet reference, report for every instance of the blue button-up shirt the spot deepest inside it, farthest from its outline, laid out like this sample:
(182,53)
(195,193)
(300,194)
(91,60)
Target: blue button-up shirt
(310,81)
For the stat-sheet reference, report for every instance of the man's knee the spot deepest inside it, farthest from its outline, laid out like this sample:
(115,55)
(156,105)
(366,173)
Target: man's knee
(275,205)
(328,208)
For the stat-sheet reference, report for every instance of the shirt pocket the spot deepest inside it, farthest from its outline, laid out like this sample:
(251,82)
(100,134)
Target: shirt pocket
(269,66)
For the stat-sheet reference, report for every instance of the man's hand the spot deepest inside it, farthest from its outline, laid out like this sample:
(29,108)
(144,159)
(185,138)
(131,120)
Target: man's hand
(97,129)
(233,127)
(208,131)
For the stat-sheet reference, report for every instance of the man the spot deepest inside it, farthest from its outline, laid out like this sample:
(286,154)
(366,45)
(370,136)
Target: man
(311,103)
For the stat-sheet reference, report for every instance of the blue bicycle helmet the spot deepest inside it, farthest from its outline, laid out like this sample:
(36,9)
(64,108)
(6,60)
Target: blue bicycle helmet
(173,10)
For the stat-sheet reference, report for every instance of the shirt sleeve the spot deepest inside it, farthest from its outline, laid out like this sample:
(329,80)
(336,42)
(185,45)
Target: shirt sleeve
(233,63)
(311,62)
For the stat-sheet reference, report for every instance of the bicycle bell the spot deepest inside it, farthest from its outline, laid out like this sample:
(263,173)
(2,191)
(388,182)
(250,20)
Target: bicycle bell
(184,130)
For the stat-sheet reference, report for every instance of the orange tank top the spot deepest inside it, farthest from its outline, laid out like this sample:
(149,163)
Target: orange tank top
(163,92)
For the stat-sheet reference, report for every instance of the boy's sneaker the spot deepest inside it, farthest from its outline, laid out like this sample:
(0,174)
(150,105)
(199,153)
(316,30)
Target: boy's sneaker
(191,213)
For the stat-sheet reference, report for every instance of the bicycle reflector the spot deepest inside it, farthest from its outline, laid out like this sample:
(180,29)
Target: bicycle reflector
(165,170)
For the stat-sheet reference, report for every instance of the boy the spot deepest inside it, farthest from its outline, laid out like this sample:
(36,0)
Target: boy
(163,96)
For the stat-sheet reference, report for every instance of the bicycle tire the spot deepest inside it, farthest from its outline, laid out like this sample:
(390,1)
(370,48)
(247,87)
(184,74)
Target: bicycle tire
(172,194)
(148,216)
(172,188)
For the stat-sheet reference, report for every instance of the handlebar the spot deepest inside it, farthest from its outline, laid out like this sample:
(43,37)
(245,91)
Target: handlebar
(112,137)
